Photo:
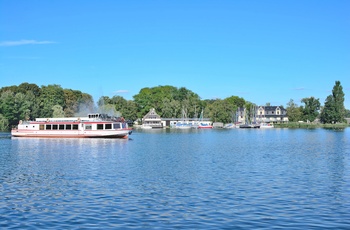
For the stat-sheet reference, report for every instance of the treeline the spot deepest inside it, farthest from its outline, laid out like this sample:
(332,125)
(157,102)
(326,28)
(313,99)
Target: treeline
(332,112)
(172,102)
(29,101)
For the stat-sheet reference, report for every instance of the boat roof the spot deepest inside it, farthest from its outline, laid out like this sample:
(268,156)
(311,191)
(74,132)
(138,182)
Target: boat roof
(90,117)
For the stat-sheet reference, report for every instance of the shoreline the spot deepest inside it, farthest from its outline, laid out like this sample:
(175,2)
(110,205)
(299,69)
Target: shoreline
(305,125)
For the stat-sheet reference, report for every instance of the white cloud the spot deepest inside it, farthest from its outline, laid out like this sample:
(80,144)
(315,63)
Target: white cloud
(24,42)
(121,91)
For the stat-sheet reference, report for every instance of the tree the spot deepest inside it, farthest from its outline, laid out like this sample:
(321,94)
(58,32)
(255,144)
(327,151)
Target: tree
(334,110)
(50,96)
(294,112)
(154,97)
(311,108)
(4,123)
(57,111)
(8,108)
(347,113)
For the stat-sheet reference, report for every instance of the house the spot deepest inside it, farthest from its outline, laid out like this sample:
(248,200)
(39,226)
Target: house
(271,114)
(152,120)
(263,114)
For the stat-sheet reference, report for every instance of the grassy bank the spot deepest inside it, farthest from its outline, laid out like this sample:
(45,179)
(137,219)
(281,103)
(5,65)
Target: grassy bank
(310,125)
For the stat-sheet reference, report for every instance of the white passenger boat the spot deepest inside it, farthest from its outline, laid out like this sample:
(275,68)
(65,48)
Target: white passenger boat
(93,126)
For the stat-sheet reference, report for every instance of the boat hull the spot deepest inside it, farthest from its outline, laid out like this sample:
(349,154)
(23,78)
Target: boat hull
(91,134)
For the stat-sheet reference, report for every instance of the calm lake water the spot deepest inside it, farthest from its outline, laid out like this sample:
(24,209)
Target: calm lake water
(166,179)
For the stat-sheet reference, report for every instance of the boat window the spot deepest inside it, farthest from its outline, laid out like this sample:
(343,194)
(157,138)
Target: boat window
(68,127)
(75,127)
(54,127)
(88,127)
(48,127)
(108,126)
(123,125)
(99,126)
(116,126)
(61,127)
(41,127)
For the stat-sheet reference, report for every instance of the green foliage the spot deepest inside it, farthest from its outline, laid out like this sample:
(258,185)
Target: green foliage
(334,110)
(347,113)
(8,108)
(57,111)
(51,95)
(168,101)
(311,108)
(220,111)
(28,101)
(4,123)
(294,112)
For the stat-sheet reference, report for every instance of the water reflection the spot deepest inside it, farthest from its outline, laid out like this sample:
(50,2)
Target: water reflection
(278,178)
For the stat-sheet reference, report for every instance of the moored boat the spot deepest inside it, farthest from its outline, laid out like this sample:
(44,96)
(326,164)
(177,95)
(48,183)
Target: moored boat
(204,126)
(93,126)
(249,126)
(266,126)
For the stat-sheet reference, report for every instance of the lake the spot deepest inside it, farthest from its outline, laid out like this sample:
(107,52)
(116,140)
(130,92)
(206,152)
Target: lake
(185,179)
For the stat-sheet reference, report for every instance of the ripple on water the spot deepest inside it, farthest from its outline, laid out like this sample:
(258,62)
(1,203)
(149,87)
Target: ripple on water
(214,179)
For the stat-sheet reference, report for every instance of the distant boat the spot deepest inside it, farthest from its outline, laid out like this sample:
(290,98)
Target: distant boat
(232,125)
(204,126)
(266,126)
(201,124)
(249,126)
(184,123)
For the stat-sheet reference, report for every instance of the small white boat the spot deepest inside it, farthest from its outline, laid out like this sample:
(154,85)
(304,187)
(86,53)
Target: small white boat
(92,126)
(231,126)
(183,125)
(204,126)
(266,126)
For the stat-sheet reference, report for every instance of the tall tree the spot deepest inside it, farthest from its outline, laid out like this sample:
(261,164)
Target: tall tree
(311,108)
(4,123)
(57,111)
(50,96)
(154,97)
(294,112)
(8,108)
(334,110)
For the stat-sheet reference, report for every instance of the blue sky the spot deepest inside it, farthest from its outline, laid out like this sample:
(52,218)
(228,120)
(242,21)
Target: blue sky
(263,50)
